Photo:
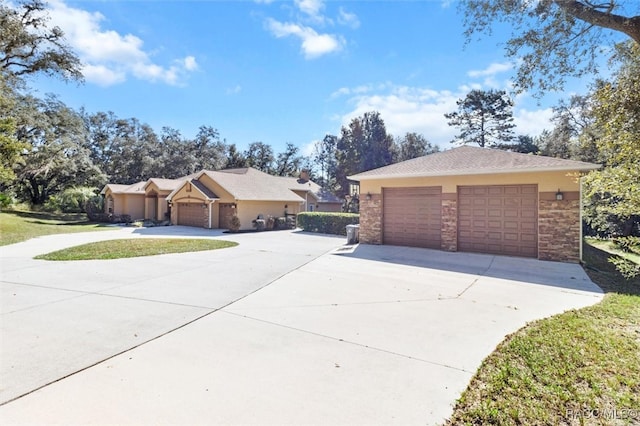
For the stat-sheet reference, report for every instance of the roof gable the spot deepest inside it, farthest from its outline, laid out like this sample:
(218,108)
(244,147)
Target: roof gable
(249,184)
(468,160)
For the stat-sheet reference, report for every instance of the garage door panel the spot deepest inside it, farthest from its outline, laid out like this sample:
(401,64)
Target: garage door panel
(502,219)
(412,216)
(191,214)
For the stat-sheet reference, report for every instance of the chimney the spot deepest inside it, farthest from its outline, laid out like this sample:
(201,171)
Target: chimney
(304,175)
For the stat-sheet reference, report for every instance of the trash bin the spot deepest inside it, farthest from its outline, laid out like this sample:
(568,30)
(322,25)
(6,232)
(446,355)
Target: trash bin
(353,234)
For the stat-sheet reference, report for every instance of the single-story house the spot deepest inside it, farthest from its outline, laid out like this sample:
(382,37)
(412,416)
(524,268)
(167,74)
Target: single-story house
(210,199)
(476,200)
(124,199)
(315,197)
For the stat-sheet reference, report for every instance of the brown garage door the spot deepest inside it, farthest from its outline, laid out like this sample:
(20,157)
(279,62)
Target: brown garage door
(498,219)
(412,216)
(227,210)
(191,214)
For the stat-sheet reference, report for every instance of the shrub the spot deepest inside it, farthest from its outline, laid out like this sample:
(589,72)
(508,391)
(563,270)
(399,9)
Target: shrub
(259,224)
(5,201)
(327,223)
(627,268)
(628,244)
(71,200)
(234,224)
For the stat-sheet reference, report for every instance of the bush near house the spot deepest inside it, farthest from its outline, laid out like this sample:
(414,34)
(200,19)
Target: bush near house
(327,223)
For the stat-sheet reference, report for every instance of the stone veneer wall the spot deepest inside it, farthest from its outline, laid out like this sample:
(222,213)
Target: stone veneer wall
(449,236)
(559,229)
(371,219)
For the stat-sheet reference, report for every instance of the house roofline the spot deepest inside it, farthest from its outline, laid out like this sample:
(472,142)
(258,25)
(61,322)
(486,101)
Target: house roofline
(475,172)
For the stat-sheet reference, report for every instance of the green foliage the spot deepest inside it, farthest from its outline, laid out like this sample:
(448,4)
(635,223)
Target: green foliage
(627,268)
(288,163)
(628,244)
(363,145)
(484,117)
(71,200)
(5,201)
(260,156)
(327,223)
(413,145)
(29,46)
(612,195)
(552,39)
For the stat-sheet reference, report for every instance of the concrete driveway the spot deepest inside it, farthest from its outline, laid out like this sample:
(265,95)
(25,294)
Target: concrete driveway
(288,327)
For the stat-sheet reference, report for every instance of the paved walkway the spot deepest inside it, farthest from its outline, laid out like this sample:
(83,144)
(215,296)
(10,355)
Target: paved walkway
(288,327)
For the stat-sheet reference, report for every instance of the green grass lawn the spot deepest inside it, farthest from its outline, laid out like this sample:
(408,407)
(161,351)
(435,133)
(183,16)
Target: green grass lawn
(579,367)
(117,249)
(17,226)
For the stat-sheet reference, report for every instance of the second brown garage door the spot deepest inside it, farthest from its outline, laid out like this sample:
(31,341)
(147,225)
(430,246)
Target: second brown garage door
(191,214)
(412,216)
(498,219)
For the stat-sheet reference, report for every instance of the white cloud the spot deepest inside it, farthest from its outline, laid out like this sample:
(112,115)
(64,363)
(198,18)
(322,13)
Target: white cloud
(234,90)
(532,122)
(313,44)
(348,19)
(190,63)
(102,75)
(491,70)
(110,57)
(310,7)
(410,109)
(421,110)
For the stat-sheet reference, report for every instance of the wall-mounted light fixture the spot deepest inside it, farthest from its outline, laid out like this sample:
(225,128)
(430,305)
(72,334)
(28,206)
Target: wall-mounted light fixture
(368,196)
(559,195)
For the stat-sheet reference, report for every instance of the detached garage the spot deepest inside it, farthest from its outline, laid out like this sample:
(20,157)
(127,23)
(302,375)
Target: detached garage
(476,200)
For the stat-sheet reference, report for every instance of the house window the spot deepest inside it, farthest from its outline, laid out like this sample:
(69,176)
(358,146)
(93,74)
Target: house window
(354,189)
(310,207)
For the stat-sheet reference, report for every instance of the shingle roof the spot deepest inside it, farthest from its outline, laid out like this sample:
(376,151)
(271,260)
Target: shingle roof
(166,184)
(202,188)
(136,188)
(468,160)
(322,195)
(250,184)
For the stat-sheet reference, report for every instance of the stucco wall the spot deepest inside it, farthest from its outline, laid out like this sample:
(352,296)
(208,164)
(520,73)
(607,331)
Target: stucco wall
(133,205)
(247,211)
(547,181)
(328,207)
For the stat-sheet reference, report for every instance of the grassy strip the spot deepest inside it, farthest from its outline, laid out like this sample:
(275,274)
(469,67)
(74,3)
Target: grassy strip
(610,247)
(118,249)
(17,226)
(560,369)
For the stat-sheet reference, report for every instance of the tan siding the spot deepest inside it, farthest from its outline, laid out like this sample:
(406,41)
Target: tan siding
(546,181)
(249,210)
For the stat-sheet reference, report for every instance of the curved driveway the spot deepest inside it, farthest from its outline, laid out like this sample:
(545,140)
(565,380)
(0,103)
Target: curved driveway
(287,327)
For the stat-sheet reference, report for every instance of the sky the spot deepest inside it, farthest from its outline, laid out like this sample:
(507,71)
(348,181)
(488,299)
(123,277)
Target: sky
(283,72)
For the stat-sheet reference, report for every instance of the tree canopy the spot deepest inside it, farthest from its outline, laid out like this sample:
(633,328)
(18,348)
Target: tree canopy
(553,39)
(484,117)
(28,45)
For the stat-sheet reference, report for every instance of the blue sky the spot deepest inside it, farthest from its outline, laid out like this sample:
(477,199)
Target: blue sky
(282,71)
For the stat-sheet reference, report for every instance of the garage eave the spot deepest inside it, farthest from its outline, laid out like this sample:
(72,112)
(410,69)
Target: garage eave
(364,176)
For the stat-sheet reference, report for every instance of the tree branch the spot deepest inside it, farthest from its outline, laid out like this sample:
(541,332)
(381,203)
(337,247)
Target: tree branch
(588,13)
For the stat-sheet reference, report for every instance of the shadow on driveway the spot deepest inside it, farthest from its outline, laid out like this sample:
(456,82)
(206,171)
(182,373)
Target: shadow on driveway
(569,276)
